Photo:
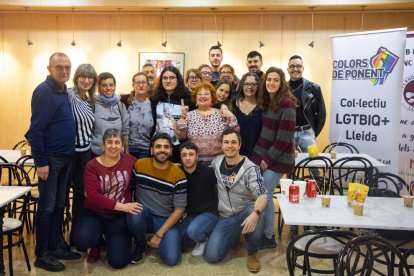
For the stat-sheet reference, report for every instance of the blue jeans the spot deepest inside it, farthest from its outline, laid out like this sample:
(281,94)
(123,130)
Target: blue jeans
(52,199)
(170,245)
(77,169)
(227,233)
(197,228)
(305,138)
(270,180)
(91,225)
(139,152)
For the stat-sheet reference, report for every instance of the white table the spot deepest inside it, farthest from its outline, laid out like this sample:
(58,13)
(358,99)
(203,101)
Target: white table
(7,195)
(318,163)
(379,213)
(11,155)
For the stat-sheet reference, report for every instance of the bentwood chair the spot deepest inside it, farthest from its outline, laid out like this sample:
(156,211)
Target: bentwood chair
(370,253)
(341,147)
(388,181)
(14,223)
(20,145)
(306,250)
(352,169)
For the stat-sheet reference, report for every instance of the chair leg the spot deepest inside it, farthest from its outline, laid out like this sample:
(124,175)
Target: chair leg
(25,254)
(9,243)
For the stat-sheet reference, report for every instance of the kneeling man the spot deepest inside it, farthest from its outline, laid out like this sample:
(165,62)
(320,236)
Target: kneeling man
(242,199)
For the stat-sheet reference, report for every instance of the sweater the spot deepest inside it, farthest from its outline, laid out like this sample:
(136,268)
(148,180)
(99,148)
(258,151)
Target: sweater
(52,127)
(244,190)
(160,190)
(201,191)
(204,131)
(106,117)
(276,142)
(105,186)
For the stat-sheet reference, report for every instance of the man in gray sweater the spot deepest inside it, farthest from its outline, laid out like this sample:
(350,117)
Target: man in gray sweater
(242,199)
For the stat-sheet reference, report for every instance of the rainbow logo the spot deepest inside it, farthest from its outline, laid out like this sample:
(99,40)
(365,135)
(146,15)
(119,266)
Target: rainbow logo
(385,61)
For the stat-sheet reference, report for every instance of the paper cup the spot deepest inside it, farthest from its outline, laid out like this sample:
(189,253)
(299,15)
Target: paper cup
(408,200)
(333,154)
(284,186)
(358,209)
(302,187)
(326,201)
(22,152)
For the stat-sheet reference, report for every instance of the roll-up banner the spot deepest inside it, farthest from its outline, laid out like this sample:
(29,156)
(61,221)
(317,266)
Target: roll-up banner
(366,92)
(406,142)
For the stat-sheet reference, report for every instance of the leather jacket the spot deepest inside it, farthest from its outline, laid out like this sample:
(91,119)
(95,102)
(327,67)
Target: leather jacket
(313,105)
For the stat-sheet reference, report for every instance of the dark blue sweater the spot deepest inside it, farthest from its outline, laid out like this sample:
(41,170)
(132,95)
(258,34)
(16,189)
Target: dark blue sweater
(52,127)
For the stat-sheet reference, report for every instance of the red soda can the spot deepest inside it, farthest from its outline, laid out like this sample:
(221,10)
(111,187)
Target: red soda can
(311,188)
(294,193)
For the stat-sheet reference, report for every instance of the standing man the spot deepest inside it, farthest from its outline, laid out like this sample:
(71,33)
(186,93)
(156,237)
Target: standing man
(215,56)
(242,199)
(254,64)
(150,71)
(161,187)
(52,138)
(202,199)
(310,113)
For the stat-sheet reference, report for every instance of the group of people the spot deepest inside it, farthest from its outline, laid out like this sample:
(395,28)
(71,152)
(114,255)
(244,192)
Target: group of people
(234,139)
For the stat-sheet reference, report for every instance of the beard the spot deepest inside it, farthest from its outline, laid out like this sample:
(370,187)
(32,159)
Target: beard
(162,159)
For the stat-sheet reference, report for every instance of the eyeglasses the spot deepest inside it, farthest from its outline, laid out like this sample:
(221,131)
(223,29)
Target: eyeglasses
(250,84)
(193,78)
(293,66)
(61,68)
(110,85)
(86,78)
(170,78)
(140,83)
(206,73)
(204,95)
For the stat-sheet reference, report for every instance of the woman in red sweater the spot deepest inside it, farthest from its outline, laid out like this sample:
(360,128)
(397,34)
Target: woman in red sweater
(274,151)
(108,200)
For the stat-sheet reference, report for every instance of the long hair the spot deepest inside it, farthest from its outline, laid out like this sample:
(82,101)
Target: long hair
(179,92)
(86,70)
(265,102)
(240,92)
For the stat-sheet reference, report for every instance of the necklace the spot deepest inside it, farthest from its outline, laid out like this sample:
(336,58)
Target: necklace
(297,88)
(230,167)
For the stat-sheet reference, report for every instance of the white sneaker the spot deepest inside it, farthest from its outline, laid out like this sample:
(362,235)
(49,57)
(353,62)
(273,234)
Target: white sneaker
(199,249)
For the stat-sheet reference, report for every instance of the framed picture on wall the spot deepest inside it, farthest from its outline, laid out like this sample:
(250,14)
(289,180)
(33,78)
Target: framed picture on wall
(162,59)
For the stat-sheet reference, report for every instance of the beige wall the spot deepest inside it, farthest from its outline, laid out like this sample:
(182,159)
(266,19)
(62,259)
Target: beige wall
(96,35)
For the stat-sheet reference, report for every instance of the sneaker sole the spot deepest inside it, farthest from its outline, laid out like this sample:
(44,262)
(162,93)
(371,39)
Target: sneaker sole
(268,246)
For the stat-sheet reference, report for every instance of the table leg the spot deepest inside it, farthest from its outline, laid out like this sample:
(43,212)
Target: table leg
(2,209)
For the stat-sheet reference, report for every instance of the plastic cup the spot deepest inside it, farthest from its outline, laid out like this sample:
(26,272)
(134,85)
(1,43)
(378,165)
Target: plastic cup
(23,152)
(408,200)
(333,154)
(296,153)
(326,201)
(284,186)
(358,209)
(302,187)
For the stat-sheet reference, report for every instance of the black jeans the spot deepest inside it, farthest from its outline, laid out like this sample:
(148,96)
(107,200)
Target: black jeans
(77,168)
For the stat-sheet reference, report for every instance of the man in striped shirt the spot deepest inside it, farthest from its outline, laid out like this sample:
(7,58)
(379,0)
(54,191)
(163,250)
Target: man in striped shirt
(161,187)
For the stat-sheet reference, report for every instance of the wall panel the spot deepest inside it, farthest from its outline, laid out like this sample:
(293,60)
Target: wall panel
(96,35)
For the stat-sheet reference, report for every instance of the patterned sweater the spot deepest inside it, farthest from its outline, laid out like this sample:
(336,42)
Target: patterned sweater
(276,142)
(204,131)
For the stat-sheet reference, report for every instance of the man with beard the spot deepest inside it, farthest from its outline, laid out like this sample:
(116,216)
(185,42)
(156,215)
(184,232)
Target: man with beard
(254,64)
(310,113)
(161,187)
(151,72)
(215,56)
